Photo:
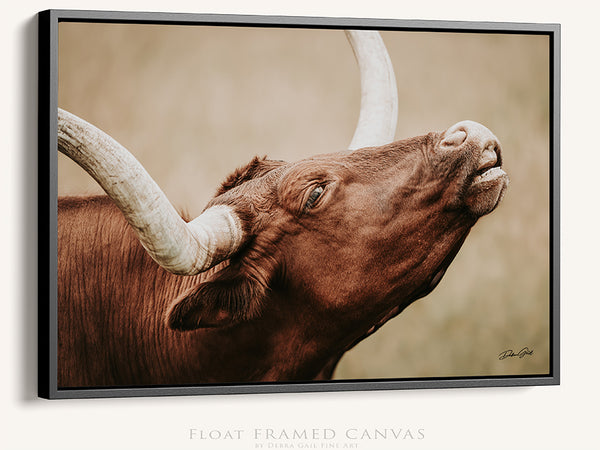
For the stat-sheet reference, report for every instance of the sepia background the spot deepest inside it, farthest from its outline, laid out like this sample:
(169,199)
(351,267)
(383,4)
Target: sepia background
(193,103)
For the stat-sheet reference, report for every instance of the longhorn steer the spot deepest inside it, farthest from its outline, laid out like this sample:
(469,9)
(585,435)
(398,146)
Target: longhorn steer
(289,265)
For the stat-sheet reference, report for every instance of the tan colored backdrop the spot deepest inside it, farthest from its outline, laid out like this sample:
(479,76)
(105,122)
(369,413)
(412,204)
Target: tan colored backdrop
(192,103)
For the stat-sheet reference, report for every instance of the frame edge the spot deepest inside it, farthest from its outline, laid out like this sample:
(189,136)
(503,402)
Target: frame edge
(47,198)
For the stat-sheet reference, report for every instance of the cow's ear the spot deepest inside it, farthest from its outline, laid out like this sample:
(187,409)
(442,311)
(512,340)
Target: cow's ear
(254,169)
(221,301)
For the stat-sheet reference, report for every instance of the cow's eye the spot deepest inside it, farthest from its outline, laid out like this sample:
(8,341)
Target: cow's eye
(313,197)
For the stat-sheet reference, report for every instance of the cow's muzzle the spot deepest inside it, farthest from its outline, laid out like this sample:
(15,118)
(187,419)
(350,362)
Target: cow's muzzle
(488,181)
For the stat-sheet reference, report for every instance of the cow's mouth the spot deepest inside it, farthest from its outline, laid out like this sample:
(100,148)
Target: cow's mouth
(488,178)
(489,183)
(489,174)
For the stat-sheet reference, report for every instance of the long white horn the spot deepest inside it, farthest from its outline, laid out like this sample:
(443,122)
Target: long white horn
(179,247)
(379,95)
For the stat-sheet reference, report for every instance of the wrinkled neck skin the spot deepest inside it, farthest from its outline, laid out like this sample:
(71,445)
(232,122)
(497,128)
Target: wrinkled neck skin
(284,344)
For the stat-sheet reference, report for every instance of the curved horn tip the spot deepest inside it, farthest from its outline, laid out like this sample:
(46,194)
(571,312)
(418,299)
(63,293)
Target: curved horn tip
(379,95)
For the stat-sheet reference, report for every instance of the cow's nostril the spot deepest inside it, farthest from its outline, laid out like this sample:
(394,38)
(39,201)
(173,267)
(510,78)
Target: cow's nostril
(489,157)
(454,139)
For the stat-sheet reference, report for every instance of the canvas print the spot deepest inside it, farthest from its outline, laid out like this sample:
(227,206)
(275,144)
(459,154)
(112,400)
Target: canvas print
(242,205)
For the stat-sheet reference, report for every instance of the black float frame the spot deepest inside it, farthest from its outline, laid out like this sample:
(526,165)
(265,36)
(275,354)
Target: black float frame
(47,129)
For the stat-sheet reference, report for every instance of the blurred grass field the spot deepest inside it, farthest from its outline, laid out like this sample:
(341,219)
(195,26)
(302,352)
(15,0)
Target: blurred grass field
(193,103)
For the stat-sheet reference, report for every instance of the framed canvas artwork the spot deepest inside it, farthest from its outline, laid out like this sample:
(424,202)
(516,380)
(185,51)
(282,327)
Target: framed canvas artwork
(239,204)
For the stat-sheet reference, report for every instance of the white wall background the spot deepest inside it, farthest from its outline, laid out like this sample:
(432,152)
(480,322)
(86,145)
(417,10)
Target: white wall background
(535,418)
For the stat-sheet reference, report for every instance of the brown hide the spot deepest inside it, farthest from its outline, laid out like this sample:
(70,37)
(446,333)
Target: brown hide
(111,318)
(337,244)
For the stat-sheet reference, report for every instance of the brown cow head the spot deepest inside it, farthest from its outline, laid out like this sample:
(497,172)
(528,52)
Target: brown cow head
(361,233)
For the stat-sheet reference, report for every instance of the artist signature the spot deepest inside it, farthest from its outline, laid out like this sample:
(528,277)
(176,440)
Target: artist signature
(510,354)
